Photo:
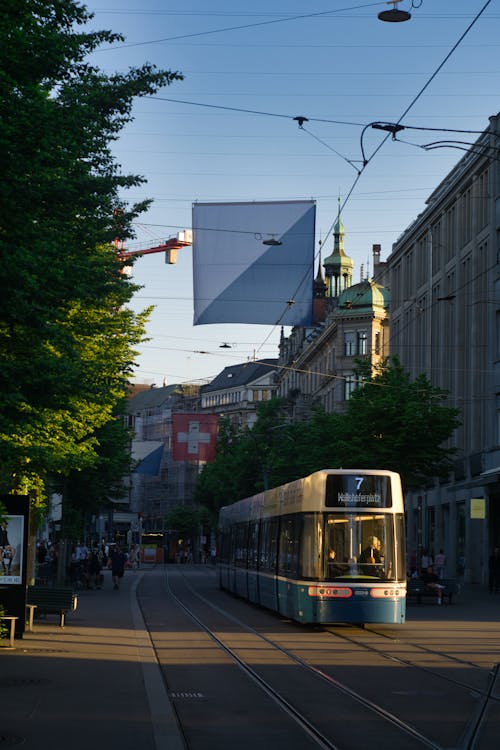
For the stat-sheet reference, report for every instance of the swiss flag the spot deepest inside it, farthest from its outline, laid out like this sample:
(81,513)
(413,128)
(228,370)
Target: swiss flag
(195,436)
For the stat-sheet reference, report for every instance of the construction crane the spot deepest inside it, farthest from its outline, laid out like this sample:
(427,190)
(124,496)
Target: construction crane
(169,247)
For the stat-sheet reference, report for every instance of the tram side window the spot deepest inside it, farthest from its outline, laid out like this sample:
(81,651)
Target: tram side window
(310,546)
(224,545)
(268,544)
(229,537)
(400,545)
(240,546)
(288,555)
(253,539)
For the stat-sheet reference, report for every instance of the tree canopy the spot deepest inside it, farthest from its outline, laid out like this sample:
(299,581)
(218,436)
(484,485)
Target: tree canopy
(390,422)
(67,337)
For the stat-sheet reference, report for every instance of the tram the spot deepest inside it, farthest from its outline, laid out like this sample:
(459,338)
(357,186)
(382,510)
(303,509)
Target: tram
(327,548)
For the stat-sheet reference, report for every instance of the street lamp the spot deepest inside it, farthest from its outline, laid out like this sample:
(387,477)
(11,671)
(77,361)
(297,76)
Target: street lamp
(394,15)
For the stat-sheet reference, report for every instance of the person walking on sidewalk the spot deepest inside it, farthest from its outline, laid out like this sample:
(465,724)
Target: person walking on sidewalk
(118,560)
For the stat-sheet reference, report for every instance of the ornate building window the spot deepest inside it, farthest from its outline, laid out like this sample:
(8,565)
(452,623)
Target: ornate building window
(350,385)
(362,342)
(349,344)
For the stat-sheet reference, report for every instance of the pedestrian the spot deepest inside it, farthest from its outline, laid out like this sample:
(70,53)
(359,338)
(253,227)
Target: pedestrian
(432,582)
(117,566)
(494,571)
(41,553)
(426,560)
(440,563)
(94,567)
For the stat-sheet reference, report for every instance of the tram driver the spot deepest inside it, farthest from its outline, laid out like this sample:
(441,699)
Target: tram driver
(371,557)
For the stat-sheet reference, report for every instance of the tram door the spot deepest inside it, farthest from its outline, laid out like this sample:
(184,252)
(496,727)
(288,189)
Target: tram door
(288,561)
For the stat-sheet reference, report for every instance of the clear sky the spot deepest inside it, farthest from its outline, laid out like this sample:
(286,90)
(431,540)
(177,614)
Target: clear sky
(227,133)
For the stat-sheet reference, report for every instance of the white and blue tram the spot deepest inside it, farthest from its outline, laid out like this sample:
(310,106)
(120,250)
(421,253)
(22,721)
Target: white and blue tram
(327,548)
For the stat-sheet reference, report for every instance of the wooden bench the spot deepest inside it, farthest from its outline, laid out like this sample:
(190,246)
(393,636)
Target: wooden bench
(416,589)
(12,630)
(52,600)
(30,613)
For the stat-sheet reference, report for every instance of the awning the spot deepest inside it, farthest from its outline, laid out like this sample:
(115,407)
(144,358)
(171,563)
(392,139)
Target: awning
(489,472)
(151,462)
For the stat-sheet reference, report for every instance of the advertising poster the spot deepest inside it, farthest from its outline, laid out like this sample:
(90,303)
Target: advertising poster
(14,524)
(11,550)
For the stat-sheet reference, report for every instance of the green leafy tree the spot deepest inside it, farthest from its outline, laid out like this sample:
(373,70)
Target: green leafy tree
(186,519)
(91,489)
(246,459)
(399,424)
(222,481)
(66,336)
(390,422)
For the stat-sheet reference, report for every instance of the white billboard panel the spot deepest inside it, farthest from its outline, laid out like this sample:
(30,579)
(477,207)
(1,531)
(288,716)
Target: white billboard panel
(254,262)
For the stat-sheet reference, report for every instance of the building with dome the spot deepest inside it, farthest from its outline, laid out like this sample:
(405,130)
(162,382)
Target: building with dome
(317,365)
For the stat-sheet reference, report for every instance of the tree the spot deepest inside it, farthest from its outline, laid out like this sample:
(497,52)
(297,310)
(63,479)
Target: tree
(390,423)
(91,489)
(186,520)
(222,481)
(66,336)
(246,460)
(399,424)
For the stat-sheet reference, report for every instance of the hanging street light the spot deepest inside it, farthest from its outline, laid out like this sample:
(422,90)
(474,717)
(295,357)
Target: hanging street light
(394,15)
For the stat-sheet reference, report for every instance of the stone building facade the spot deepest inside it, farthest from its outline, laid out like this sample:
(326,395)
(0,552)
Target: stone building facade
(317,365)
(158,483)
(445,321)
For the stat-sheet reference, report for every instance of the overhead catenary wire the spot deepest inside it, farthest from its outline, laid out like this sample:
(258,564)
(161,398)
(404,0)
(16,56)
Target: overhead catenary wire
(241,27)
(384,140)
(353,196)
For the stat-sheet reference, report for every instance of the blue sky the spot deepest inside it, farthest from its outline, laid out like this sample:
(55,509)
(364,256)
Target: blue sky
(227,133)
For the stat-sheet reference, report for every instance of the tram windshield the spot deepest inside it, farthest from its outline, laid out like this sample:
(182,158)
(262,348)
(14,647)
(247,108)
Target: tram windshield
(364,546)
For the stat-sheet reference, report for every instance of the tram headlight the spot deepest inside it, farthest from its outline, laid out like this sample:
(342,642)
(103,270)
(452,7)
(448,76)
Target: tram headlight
(330,592)
(386,593)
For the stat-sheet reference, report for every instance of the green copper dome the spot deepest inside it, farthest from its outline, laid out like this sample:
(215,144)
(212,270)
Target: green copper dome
(364,296)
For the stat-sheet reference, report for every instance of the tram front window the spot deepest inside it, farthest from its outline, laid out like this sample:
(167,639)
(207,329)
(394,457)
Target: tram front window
(362,547)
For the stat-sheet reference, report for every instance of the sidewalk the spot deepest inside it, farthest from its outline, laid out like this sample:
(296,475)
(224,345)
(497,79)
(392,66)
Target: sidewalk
(474,603)
(94,683)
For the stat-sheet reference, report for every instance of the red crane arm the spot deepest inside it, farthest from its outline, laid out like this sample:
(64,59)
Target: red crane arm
(169,247)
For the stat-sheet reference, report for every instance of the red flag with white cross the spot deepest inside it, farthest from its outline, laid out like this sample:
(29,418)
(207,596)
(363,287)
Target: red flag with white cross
(194,437)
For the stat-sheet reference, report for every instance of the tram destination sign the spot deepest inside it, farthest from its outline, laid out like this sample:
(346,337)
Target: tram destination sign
(358,491)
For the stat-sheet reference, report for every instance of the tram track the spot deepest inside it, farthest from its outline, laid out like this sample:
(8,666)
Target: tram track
(405,662)
(389,655)
(478,722)
(426,649)
(487,698)
(299,718)
(403,728)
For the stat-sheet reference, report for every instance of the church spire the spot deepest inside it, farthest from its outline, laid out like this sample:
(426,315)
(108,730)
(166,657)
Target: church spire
(338,233)
(338,266)
(319,282)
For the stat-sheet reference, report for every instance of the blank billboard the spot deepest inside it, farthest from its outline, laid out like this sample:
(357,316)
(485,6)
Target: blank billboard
(254,262)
